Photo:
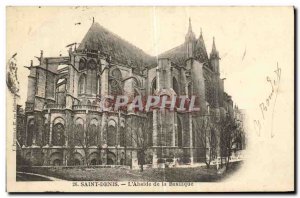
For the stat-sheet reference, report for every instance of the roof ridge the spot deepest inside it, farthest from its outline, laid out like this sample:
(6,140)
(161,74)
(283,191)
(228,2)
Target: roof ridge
(98,28)
(122,39)
(170,50)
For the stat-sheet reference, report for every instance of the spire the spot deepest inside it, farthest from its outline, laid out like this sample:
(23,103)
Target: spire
(214,52)
(214,46)
(190,25)
(190,36)
(200,49)
(200,39)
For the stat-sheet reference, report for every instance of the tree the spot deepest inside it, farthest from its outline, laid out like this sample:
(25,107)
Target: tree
(85,139)
(230,135)
(140,136)
(206,136)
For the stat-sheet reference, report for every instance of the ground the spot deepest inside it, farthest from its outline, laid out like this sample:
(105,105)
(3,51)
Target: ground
(195,174)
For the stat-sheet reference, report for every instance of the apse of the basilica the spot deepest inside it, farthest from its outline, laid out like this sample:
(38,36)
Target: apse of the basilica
(65,124)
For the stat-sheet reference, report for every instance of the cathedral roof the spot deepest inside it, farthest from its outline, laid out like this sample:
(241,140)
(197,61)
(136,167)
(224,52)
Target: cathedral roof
(99,38)
(177,55)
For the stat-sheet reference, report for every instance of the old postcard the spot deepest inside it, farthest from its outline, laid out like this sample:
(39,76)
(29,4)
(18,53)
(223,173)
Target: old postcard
(150,99)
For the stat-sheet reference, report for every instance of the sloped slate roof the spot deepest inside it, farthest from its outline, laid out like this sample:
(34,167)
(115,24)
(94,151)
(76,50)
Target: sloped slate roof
(177,55)
(99,38)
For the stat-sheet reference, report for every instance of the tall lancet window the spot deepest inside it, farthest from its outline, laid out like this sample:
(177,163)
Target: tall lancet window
(82,84)
(92,77)
(60,92)
(115,85)
(153,86)
(179,133)
(82,64)
(111,133)
(58,138)
(190,90)
(30,132)
(175,86)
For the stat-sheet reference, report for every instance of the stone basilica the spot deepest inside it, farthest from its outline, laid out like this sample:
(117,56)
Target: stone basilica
(64,125)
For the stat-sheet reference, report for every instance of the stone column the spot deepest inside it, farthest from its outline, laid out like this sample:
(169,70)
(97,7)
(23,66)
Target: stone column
(158,78)
(85,127)
(68,126)
(134,160)
(191,137)
(64,161)
(154,139)
(50,134)
(174,129)
(104,94)
(207,146)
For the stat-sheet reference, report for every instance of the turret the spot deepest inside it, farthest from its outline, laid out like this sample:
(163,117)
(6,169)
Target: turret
(214,57)
(190,41)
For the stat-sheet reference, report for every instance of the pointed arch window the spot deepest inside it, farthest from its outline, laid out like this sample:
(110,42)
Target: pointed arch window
(92,135)
(92,64)
(30,132)
(153,86)
(111,135)
(82,64)
(175,86)
(115,85)
(58,138)
(60,92)
(116,73)
(179,133)
(79,132)
(82,84)
(114,88)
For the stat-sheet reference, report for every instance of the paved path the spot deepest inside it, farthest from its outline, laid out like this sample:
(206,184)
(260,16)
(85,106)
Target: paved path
(24,176)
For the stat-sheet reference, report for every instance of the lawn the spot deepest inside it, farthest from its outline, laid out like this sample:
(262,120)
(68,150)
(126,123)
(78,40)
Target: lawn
(195,174)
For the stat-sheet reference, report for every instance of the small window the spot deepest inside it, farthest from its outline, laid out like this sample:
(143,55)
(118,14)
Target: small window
(92,65)
(82,64)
